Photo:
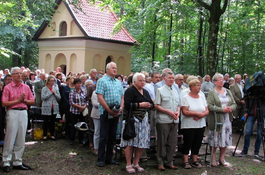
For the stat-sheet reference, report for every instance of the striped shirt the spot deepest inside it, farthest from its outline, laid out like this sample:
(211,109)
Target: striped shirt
(111,89)
(13,91)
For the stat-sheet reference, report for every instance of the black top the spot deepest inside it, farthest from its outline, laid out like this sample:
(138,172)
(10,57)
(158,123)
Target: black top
(132,95)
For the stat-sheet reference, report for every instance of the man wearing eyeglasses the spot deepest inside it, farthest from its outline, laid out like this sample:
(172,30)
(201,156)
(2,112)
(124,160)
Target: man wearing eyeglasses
(179,80)
(16,96)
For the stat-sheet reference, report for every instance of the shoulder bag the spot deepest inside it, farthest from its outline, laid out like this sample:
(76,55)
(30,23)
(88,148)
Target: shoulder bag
(129,129)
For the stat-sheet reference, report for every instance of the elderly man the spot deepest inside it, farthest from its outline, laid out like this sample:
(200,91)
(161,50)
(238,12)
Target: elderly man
(162,83)
(16,97)
(207,85)
(93,74)
(179,80)
(167,104)
(110,92)
(238,94)
(59,69)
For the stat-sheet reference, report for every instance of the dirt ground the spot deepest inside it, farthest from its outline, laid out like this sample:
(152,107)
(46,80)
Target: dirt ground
(58,157)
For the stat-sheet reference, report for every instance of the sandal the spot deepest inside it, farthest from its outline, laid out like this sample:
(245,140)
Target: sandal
(130,169)
(214,163)
(186,165)
(139,169)
(196,165)
(44,138)
(223,162)
(95,152)
(53,138)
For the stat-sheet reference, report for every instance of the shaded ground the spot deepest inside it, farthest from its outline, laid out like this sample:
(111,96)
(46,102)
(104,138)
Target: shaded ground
(57,157)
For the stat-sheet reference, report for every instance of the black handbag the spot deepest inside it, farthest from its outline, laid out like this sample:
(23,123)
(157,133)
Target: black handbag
(129,129)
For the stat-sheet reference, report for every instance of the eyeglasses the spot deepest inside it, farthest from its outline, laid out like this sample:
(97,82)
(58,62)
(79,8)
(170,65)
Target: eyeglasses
(51,80)
(219,80)
(181,79)
(20,73)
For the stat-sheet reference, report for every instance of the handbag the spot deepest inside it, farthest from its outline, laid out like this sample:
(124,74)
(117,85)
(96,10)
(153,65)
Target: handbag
(85,111)
(81,126)
(129,129)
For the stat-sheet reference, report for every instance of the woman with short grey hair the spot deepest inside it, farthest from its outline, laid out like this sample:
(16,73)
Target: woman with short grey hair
(221,104)
(140,102)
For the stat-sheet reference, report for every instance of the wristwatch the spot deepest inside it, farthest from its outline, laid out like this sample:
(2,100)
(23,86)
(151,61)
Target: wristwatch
(25,101)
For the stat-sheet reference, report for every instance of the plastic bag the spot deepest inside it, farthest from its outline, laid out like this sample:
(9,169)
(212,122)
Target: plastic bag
(38,134)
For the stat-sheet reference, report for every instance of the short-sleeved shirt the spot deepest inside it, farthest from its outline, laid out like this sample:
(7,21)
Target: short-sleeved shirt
(168,98)
(74,98)
(193,104)
(13,91)
(111,89)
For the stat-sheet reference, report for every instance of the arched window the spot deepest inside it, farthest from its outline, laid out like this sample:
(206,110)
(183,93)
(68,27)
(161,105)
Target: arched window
(63,28)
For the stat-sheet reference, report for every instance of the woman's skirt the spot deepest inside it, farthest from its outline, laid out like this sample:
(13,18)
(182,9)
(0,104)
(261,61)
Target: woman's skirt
(142,130)
(223,138)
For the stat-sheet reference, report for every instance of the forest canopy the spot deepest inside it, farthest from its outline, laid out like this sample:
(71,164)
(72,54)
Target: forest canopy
(189,36)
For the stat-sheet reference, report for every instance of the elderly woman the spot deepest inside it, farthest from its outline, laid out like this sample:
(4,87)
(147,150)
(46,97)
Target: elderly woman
(90,88)
(50,97)
(95,116)
(221,102)
(141,103)
(78,103)
(194,109)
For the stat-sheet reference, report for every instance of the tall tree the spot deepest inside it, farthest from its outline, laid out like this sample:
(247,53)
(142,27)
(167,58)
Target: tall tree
(215,11)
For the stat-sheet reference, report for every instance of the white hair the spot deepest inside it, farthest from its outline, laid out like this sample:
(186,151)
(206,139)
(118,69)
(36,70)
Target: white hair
(136,75)
(166,70)
(92,70)
(177,76)
(216,76)
(109,64)
(237,75)
(87,81)
(14,69)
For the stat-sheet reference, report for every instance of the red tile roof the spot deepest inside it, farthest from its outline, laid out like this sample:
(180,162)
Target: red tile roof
(98,23)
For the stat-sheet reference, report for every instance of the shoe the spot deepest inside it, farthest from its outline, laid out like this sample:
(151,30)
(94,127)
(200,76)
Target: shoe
(22,167)
(186,165)
(172,167)
(44,138)
(112,162)
(161,168)
(100,164)
(53,138)
(257,155)
(130,169)
(242,154)
(223,162)
(196,165)
(138,168)
(6,169)
(214,163)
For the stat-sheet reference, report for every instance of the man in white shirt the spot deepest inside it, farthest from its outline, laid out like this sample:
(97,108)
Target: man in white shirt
(207,85)
(179,80)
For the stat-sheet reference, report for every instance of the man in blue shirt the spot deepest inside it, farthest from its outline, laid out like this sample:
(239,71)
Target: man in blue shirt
(110,92)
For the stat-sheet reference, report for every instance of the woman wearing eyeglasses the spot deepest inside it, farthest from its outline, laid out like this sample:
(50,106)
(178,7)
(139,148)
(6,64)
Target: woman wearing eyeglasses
(50,96)
(221,102)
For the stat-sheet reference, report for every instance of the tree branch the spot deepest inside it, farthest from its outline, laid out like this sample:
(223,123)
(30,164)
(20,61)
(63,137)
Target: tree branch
(204,4)
(224,6)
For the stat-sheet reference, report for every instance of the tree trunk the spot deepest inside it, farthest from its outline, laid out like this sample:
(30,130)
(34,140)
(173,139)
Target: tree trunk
(200,44)
(215,13)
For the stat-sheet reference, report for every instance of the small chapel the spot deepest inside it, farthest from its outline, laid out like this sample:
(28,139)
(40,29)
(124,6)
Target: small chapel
(81,40)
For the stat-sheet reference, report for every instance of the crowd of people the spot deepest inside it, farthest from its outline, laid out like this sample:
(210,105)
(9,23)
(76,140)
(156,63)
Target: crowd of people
(163,106)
